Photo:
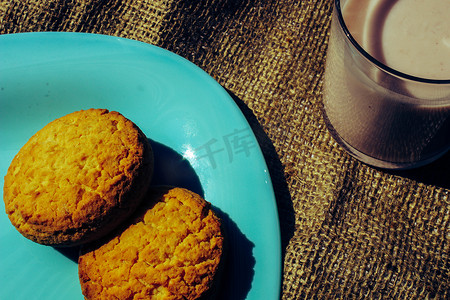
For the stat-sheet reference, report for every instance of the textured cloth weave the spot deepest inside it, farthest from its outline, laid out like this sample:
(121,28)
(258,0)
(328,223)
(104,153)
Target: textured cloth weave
(348,230)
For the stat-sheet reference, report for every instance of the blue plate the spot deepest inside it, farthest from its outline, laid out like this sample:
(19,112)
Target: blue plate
(201,141)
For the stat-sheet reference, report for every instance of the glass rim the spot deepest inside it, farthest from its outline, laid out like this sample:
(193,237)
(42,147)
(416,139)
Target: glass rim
(379,64)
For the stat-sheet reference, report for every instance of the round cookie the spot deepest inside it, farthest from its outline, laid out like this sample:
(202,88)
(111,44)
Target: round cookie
(78,177)
(170,249)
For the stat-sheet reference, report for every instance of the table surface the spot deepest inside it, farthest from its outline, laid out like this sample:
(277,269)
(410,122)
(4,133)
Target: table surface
(348,230)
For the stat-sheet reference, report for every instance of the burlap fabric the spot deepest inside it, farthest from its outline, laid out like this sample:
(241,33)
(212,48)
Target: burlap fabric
(348,230)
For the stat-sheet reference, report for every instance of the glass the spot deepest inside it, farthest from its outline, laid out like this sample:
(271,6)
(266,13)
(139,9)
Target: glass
(381,116)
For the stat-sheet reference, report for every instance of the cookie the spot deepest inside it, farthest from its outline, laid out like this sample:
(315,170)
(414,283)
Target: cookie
(78,177)
(170,249)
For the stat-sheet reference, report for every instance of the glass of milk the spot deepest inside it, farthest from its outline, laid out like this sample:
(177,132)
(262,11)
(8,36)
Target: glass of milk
(386,93)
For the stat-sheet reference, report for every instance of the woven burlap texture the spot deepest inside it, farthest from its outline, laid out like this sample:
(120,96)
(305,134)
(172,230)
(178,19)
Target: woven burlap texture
(348,230)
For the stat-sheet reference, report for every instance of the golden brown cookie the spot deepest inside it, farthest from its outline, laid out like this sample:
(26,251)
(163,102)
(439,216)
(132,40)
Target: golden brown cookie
(78,177)
(170,249)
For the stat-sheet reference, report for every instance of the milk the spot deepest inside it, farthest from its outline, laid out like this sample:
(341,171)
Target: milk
(383,117)
(411,36)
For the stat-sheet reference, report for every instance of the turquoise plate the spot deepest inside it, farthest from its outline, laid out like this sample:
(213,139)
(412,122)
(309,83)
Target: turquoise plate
(200,137)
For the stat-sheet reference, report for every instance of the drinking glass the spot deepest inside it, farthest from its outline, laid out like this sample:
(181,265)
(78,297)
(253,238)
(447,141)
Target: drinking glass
(381,116)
